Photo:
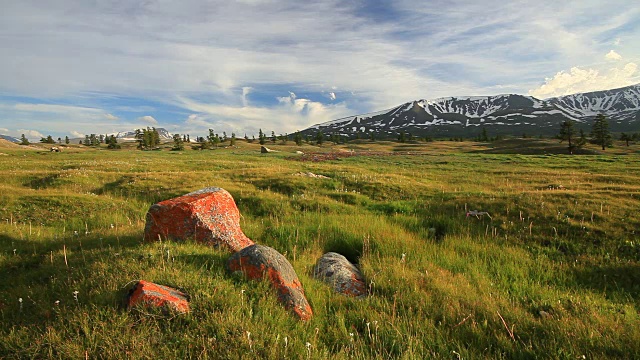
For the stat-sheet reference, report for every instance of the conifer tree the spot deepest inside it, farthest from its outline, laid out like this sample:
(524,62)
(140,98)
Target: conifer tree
(600,132)
(24,140)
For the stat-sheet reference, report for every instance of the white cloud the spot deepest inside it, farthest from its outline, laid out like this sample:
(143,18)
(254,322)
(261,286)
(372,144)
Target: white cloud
(148,119)
(332,95)
(612,55)
(77,134)
(290,114)
(30,134)
(4,130)
(111,117)
(579,80)
(245,92)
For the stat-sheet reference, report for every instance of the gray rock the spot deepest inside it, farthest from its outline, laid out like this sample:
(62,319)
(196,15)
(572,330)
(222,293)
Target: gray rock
(258,261)
(345,278)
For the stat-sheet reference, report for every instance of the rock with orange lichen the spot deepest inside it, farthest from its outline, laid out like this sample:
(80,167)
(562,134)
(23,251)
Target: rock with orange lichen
(145,293)
(345,278)
(258,261)
(209,216)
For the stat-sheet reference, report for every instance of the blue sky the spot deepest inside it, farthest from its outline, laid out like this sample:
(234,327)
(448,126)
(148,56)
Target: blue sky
(79,67)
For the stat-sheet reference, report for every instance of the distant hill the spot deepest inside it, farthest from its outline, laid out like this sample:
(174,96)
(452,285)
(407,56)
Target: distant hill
(509,114)
(9,138)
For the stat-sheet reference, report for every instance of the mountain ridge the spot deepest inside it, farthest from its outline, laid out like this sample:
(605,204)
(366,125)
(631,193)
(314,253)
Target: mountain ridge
(507,114)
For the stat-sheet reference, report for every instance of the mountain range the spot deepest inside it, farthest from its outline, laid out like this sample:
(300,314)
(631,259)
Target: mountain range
(9,138)
(511,114)
(131,135)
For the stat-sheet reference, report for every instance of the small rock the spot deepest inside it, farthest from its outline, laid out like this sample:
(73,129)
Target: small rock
(544,314)
(209,216)
(145,293)
(345,278)
(264,150)
(299,152)
(311,175)
(258,261)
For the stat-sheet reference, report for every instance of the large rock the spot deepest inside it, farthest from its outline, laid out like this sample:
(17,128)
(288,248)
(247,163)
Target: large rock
(209,216)
(258,261)
(145,293)
(335,270)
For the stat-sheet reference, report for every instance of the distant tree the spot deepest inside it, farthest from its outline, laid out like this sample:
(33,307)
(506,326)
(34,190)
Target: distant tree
(372,136)
(188,139)
(232,139)
(262,138)
(283,139)
(409,137)
(66,140)
(402,137)
(246,138)
(87,141)
(273,137)
(626,138)
(298,138)
(319,138)
(484,137)
(184,138)
(178,143)
(112,142)
(600,134)
(59,140)
(224,136)
(50,140)
(567,133)
(94,140)
(102,139)
(24,140)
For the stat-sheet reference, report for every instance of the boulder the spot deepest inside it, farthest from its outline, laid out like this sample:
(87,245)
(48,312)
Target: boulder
(258,261)
(145,293)
(345,278)
(209,216)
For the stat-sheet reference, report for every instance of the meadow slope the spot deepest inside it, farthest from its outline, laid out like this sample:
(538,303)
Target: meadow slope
(554,272)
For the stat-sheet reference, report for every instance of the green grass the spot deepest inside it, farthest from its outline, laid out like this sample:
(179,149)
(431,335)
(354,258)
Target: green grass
(553,273)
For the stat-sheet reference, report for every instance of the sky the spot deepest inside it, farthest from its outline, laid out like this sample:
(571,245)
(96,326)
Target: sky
(71,68)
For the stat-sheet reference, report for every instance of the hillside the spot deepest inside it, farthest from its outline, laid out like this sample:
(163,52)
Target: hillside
(502,114)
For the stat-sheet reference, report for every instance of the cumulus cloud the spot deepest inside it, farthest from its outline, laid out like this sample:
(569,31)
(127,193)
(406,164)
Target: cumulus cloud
(612,55)
(30,134)
(291,113)
(579,80)
(76,134)
(148,119)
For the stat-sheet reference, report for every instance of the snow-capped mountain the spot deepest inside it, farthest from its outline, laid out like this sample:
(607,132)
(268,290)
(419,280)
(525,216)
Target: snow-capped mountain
(9,138)
(131,135)
(502,114)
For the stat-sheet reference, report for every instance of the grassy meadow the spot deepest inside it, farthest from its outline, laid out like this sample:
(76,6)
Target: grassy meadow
(553,272)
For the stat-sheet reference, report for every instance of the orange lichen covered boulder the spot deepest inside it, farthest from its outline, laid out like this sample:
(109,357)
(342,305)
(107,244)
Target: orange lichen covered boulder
(258,261)
(209,216)
(335,270)
(145,293)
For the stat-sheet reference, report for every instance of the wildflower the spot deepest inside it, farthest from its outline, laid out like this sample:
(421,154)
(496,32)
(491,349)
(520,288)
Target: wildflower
(20,301)
(404,256)
(75,295)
